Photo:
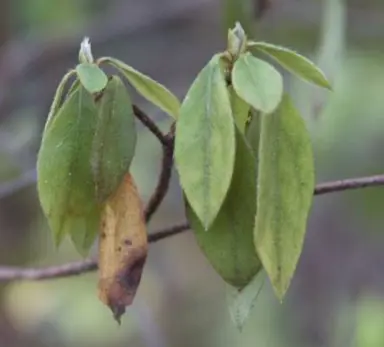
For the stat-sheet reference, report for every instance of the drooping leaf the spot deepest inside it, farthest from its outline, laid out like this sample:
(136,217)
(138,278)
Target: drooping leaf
(228,243)
(285,190)
(205,143)
(65,181)
(123,247)
(57,99)
(115,138)
(294,62)
(241,302)
(83,229)
(91,77)
(75,85)
(240,109)
(257,82)
(153,91)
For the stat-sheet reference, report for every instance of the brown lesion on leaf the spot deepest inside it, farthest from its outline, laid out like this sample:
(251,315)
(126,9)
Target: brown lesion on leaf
(123,251)
(121,289)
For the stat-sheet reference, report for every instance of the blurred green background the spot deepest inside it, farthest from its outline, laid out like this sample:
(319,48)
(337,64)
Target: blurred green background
(337,295)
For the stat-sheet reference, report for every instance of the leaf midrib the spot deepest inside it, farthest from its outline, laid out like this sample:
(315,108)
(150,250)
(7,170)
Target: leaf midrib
(207,152)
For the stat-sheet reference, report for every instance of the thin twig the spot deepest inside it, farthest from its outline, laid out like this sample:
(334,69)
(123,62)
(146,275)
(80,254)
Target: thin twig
(11,273)
(8,273)
(351,183)
(164,178)
(163,234)
(151,125)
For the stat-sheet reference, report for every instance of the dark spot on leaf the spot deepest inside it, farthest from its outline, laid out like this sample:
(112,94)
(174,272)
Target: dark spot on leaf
(128,242)
(130,277)
(103,235)
(119,249)
(124,288)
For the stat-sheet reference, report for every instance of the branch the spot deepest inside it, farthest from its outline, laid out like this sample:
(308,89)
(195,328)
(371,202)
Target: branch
(164,178)
(151,125)
(11,273)
(351,183)
(8,273)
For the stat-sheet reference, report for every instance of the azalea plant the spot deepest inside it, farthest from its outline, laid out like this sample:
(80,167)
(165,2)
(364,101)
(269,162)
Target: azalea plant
(242,153)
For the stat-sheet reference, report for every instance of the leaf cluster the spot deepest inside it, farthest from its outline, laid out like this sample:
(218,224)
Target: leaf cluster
(242,153)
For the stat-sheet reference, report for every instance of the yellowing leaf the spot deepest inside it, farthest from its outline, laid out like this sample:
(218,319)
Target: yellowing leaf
(123,247)
(205,143)
(285,191)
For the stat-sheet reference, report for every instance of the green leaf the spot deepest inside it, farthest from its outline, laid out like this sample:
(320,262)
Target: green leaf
(285,190)
(257,82)
(252,132)
(91,77)
(115,139)
(228,243)
(74,86)
(241,302)
(57,99)
(153,91)
(240,109)
(65,180)
(83,230)
(205,143)
(294,62)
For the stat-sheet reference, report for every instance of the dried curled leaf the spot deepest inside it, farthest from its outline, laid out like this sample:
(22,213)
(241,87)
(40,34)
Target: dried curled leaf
(123,247)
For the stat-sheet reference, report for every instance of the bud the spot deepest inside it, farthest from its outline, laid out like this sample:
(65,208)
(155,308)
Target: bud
(85,53)
(236,40)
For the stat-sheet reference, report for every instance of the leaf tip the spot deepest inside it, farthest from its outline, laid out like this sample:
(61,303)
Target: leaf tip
(280,288)
(117,311)
(328,86)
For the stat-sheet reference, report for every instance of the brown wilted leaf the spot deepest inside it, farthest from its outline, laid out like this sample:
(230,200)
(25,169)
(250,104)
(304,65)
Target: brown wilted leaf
(123,247)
